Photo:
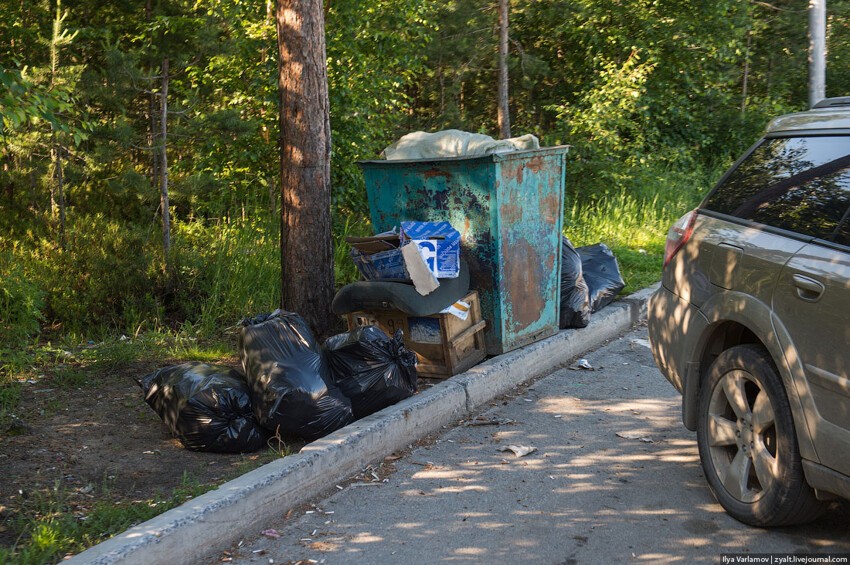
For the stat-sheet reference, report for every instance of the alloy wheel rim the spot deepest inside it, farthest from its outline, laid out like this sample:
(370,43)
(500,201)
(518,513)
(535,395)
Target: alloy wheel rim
(741,434)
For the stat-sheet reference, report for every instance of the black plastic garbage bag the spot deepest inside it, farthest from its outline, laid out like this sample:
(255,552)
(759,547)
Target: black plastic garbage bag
(602,274)
(208,407)
(373,370)
(292,390)
(575,297)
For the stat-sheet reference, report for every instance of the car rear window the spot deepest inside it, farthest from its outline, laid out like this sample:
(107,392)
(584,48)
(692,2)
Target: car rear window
(800,184)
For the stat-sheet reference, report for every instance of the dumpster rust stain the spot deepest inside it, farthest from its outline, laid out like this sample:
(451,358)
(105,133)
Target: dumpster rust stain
(550,207)
(472,202)
(431,173)
(535,164)
(511,213)
(522,274)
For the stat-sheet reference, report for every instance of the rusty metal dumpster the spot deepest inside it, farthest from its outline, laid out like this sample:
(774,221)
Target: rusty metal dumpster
(508,208)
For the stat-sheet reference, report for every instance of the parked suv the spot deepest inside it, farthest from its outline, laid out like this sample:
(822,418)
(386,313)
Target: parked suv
(751,321)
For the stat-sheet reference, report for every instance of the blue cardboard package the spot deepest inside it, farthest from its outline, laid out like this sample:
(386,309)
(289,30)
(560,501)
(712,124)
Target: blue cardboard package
(439,246)
(379,258)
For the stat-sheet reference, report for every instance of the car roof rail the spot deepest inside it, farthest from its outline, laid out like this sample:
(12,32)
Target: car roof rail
(833,102)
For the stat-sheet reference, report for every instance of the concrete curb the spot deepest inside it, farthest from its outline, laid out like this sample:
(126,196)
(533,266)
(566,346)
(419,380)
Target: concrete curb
(219,518)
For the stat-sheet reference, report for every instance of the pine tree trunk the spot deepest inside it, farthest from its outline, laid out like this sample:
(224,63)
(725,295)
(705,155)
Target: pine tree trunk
(163,168)
(504,113)
(307,269)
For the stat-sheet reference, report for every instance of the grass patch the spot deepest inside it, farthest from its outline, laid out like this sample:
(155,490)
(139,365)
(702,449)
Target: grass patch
(55,526)
(72,363)
(633,226)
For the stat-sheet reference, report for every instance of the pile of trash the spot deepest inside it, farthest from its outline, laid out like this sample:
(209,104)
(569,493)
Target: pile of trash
(590,280)
(414,276)
(291,386)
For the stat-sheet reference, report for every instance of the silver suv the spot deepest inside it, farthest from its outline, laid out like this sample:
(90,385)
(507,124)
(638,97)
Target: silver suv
(751,321)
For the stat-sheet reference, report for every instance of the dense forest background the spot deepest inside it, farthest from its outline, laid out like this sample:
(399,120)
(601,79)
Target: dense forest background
(107,105)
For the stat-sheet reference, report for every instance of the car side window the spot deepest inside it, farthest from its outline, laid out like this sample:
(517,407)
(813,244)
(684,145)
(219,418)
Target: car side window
(801,184)
(842,232)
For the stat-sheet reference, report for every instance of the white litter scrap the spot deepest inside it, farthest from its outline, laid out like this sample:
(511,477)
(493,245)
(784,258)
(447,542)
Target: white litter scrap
(459,309)
(519,450)
(582,364)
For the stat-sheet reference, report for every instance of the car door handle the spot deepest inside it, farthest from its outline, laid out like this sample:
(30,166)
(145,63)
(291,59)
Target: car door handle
(808,289)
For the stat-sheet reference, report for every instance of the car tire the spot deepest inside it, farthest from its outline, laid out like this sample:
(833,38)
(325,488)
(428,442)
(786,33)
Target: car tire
(747,442)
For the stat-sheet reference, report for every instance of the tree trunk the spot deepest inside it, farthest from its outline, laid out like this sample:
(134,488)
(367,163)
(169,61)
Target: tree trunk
(163,168)
(504,114)
(306,247)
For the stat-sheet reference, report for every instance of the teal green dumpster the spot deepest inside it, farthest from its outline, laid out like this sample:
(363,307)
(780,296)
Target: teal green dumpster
(508,208)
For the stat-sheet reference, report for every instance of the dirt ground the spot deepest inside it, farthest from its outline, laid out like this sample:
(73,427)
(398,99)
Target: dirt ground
(98,442)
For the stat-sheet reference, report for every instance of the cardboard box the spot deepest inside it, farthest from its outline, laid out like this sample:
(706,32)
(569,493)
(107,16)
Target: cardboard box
(439,246)
(444,344)
(379,258)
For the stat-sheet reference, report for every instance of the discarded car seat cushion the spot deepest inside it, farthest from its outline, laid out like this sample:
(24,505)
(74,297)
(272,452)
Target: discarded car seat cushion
(208,407)
(368,296)
(575,296)
(602,274)
(373,370)
(291,387)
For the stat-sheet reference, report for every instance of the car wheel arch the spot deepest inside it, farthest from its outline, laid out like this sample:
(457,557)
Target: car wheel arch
(728,328)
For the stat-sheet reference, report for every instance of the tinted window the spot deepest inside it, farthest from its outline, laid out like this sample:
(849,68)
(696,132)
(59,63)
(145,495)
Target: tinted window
(800,184)
(842,233)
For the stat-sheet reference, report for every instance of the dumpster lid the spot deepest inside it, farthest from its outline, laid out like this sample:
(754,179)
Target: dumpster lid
(494,157)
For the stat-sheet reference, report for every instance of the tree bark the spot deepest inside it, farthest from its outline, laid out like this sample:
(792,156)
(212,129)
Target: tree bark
(306,247)
(504,115)
(163,168)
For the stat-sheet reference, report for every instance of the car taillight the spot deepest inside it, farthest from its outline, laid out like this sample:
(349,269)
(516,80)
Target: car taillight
(679,234)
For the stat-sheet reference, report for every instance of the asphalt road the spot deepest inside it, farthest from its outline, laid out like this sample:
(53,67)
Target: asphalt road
(614,477)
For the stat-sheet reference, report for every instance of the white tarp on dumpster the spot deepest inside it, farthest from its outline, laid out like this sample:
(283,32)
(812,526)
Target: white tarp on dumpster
(454,143)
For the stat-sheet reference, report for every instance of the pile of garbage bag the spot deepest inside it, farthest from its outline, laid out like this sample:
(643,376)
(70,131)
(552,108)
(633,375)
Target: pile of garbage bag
(207,407)
(590,280)
(292,390)
(291,386)
(371,369)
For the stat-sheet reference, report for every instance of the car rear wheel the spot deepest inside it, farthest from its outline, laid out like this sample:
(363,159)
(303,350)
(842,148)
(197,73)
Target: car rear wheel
(747,443)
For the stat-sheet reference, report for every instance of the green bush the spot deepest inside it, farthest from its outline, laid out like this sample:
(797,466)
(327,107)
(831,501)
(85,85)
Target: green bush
(225,271)
(21,302)
(107,271)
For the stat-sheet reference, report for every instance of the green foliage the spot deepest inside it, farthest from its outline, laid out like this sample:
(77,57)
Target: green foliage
(53,530)
(634,223)
(646,93)
(21,303)
(101,279)
(606,129)
(227,271)
(375,56)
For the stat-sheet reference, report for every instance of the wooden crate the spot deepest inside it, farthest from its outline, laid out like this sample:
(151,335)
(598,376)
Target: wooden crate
(444,344)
